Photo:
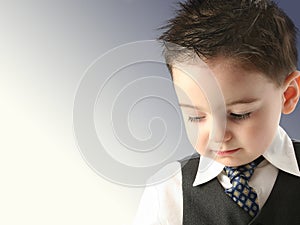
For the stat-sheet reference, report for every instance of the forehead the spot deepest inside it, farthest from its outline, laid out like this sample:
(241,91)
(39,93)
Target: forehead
(223,70)
(230,72)
(234,81)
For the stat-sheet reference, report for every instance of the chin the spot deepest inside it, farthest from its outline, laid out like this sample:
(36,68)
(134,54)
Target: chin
(230,162)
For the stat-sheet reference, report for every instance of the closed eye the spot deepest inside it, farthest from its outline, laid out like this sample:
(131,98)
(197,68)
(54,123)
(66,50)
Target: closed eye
(196,118)
(240,116)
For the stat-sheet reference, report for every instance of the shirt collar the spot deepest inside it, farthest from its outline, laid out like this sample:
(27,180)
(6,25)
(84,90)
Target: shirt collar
(280,153)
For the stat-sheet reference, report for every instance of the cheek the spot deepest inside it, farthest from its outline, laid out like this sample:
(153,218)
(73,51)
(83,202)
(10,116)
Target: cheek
(268,120)
(261,130)
(197,133)
(202,141)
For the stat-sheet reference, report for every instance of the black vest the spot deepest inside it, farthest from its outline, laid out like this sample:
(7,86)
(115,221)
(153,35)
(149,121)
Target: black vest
(207,204)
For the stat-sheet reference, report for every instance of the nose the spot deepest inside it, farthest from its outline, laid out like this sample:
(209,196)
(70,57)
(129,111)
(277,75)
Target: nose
(227,135)
(218,140)
(221,135)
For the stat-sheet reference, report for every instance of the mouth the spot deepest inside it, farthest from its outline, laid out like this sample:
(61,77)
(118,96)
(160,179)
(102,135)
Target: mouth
(226,152)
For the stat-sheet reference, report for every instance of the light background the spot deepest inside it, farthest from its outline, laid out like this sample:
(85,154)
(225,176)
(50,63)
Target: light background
(45,47)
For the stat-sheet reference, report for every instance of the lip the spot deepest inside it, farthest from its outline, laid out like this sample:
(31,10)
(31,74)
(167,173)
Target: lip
(227,152)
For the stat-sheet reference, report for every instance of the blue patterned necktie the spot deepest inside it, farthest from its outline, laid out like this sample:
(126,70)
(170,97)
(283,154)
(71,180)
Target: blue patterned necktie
(241,193)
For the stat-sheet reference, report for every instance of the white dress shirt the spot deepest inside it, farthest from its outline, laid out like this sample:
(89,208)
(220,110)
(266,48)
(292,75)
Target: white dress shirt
(162,204)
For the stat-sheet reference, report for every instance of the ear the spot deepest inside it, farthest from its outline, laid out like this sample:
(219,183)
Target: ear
(291,92)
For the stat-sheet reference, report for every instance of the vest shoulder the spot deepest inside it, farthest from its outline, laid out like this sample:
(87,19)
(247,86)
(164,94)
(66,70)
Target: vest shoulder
(296,143)
(189,167)
(193,158)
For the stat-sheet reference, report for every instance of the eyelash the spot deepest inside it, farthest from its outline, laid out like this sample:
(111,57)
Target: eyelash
(232,115)
(195,119)
(240,116)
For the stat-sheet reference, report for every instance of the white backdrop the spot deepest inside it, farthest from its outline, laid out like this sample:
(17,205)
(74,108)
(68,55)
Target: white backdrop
(45,48)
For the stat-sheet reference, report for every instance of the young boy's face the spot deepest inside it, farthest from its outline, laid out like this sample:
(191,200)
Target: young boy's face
(253,109)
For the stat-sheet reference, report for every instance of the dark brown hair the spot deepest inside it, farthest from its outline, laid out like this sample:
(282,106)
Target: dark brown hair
(256,33)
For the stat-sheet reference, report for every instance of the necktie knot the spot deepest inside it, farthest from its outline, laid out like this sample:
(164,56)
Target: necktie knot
(245,171)
(241,171)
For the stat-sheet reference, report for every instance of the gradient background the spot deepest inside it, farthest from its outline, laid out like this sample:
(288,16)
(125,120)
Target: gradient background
(45,47)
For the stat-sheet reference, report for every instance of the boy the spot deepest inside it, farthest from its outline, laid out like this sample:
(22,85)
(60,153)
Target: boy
(253,172)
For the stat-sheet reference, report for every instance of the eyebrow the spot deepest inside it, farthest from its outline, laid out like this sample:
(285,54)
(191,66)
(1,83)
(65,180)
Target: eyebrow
(243,101)
(190,106)
(236,102)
